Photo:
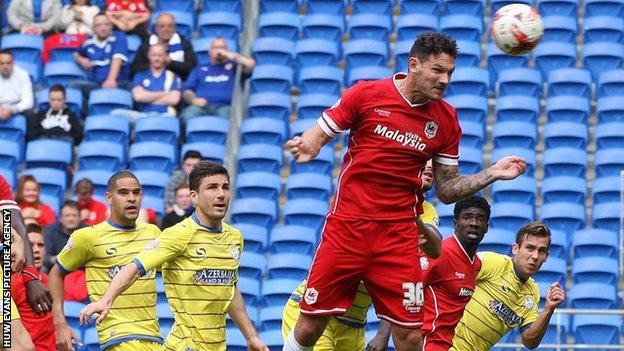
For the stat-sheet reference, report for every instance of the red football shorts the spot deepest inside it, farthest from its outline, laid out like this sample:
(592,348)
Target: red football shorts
(382,254)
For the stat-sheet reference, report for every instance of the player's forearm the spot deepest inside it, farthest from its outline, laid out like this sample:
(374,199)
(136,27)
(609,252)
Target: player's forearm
(433,245)
(120,283)
(532,337)
(56,284)
(315,138)
(452,186)
(384,330)
(238,313)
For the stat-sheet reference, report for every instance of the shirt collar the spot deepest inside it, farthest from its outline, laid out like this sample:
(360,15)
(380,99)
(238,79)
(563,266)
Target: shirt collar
(208,228)
(119,226)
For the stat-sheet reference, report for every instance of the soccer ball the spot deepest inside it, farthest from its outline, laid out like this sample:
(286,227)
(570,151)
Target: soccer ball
(516,28)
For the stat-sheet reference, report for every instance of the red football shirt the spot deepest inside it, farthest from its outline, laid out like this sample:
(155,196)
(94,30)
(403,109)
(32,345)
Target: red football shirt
(390,143)
(449,281)
(40,328)
(7,200)
(96,212)
(131,5)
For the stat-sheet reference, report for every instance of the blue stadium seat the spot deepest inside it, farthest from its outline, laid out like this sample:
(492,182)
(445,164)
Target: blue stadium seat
(133,45)
(24,47)
(235,339)
(604,8)
(464,7)
(554,55)
(606,189)
(10,176)
(279,6)
(272,78)
(271,319)
(592,296)
(559,28)
(308,186)
(61,72)
(520,81)
(473,134)
(568,8)
(323,163)
(383,7)
(597,329)
(553,270)
(558,244)
(184,20)
(279,24)
(564,216)
(306,212)
(160,290)
(445,214)
(209,129)
(152,155)
(470,160)
(52,181)
(260,157)
(595,270)
(251,265)
(401,54)
(153,182)
(445,231)
(202,45)
(365,52)
(366,73)
(515,134)
(72,313)
(610,83)
(316,52)
(13,129)
(90,340)
(275,51)
(603,29)
(567,108)
(219,24)
(221,5)
(73,96)
(369,26)
(174,6)
(103,101)
(522,190)
(320,79)
(331,7)
(511,215)
(610,109)
(497,4)
(498,61)
(462,27)
(250,289)
(409,26)
(606,216)
(595,243)
(609,135)
(10,155)
(557,329)
(517,108)
(528,155)
(569,81)
(609,162)
(209,151)
(263,130)
(52,201)
(311,106)
(255,236)
(275,292)
(471,107)
(49,153)
(165,317)
(564,189)
(322,26)
(469,54)
(98,177)
(408,7)
(273,105)
(601,57)
(262,185)
(292,239)
(32,69)
(498,240)
(115,129)
(288,266)
(272,338)
(261,212)
(158,129)
(469,80)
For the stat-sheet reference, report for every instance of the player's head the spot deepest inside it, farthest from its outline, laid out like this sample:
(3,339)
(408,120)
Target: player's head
(210,191)
(427,176)
(531,248)
(191,158)
(471,218)
(6,63)
(70,216)
(430,64)
(124,195)
(102,26)
(56,97)
(35,237)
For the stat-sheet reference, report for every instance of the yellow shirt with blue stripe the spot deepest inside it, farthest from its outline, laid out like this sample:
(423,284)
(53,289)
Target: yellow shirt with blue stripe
(501,302)
(200,272)
(103,249)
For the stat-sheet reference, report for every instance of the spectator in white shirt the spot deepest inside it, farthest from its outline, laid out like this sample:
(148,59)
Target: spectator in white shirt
(16,88)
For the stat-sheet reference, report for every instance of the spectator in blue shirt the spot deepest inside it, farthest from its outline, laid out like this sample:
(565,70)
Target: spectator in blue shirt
(208,89)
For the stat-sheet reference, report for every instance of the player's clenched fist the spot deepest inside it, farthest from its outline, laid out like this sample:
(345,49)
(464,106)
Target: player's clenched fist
(300,150)
(555,296)
(255,344)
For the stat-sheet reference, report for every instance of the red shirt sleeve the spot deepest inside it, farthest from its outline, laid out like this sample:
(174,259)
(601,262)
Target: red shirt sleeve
(7,200)
(449,153)
(343,113)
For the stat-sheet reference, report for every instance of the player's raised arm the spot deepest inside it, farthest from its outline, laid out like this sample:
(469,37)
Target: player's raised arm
(452,186)
(307,146)
(239,315)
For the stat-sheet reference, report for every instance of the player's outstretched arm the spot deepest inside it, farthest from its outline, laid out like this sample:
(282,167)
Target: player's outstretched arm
(429,240)
(239,315)
(452,186)
(64,334)
(120,283)
(380,341)
(307,146)
(532,336)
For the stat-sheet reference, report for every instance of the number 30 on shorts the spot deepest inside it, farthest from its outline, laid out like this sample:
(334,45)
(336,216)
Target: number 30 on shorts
(413,294)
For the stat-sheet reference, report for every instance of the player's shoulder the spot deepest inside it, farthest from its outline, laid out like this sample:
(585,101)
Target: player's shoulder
(92,230)
(186,227)
(429,209)
(148,227)
(233,230)
(494,259)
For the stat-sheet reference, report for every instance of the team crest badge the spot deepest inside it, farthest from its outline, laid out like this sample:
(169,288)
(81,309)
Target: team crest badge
(228,66)
(424,263)
(152,245)
(235,253)
(431,129)
(68,246)
(528,302)
(310,296)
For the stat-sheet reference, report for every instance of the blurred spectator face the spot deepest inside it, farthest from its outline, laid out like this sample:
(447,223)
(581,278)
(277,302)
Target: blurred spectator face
(188,164)
(427,176)
(31,192)
(70,218)
(38,248)
(217,48)
(157,56)
(57,100)
(6,65)
(102,27)
(84,192)
(165,27)
(183,198)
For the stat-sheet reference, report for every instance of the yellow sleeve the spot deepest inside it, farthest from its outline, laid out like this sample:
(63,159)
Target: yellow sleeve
(78,250)
(492,264)
(430,217)
(170,244)
(531,316)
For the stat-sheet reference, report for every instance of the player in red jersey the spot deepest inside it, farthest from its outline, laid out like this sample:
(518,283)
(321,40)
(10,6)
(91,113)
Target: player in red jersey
(450,279)
(396,125)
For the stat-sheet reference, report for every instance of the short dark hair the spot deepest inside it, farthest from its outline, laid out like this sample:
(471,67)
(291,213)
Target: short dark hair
(57,87)
(191,154)
(536,228)
(205,169)
(475,201)
(112,181)
(84,182)
(72,204)
(432,43)
(6,52)
(34,228)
